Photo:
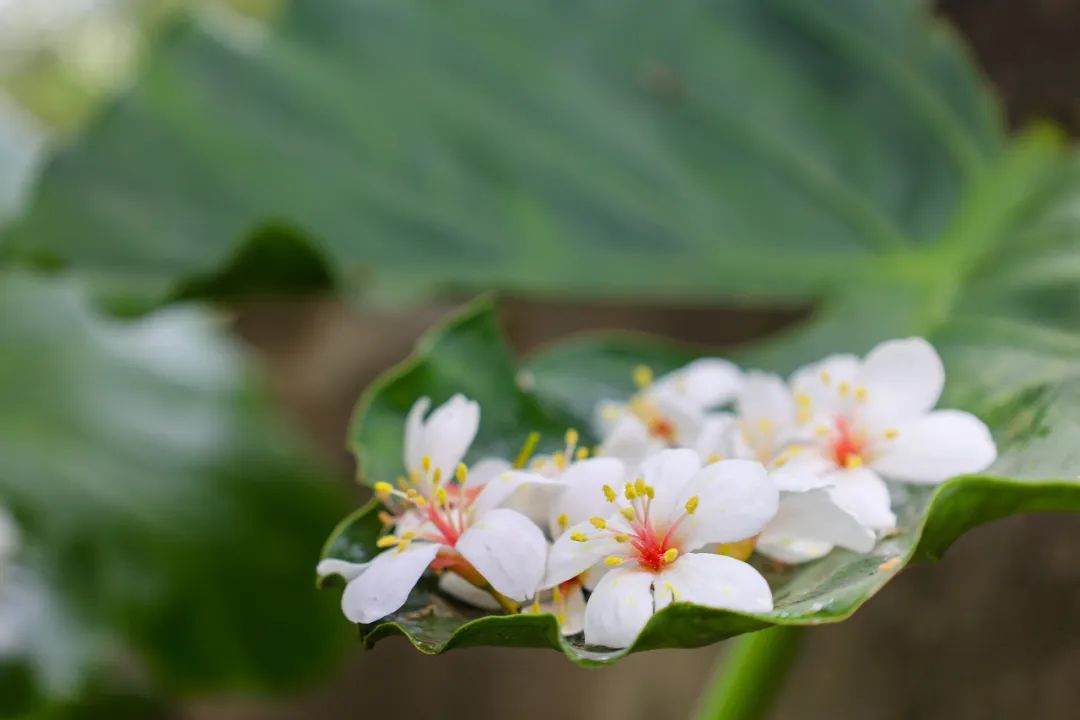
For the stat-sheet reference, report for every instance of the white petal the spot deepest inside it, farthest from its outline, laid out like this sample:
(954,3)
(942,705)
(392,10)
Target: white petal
(414,433)
(484,470)
(608,415)
(714,581)
(385,585)
(802,468)
(582,496)
(458,587)
(668,472)
(865,496)
(735,501)
(766,406)
(935,447)
(820,382)
(449,432)
(499,490)
(619,607)
(791,550)
(814,516)
(509,550)
(343,569)
(573,619)
(569,558)
(628,441)
(715,436)
(903,379)
(705,383)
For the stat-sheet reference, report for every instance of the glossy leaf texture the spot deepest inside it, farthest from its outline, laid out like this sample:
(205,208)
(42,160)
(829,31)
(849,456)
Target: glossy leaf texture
(165,512)
(749,149)
(1027,387)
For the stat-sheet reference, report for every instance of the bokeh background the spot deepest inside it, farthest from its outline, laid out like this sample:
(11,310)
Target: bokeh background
(991,631)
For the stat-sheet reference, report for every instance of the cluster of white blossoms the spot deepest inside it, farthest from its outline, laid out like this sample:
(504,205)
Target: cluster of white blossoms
(696,471)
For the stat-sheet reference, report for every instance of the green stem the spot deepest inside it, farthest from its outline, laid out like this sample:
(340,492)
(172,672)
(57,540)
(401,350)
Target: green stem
(749,677)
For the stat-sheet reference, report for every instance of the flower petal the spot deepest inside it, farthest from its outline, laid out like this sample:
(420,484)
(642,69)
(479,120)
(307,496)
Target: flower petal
(629,441)
(715,436)
(342,568)
(569,558)
(498,491)
(814,516)
(668,472)
(458,587)
(935,447)
(414,433)
(713,581)
(820,381)
(864,495)
(449,431)
(385,585)
(582,496)
(573,614)
(766,410)
(508,550)
(735,499)
(484,470)
(792,550)
(704,383)
(903,379)
(801,468)
(619,607)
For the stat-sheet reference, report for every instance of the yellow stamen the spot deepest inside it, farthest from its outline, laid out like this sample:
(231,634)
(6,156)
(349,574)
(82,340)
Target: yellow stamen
(425,462)
(563,520)
(671,589)
(536,605)
(526,450)
(843,388)
(628,513)
(821,431)
(556,594)
(765,425)
(408,535)
(780,462)
(581,453)
(571,437)
(852,462)
(621,538)
(860,393)
(670,554)
(462,473)
(692,503)
(803,400)
(436,476)
(387,541)
(643,376)
(713,458)
(411,493)
(613,560)
(579,537)
(891,434)
(420,502)
(386,518)
(383,488)
(598,522)
(403,482)
(441,496)
(609,493)
(825,378)
(628,491)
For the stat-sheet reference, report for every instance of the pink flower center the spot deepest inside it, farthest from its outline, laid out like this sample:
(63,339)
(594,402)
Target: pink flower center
(847,445)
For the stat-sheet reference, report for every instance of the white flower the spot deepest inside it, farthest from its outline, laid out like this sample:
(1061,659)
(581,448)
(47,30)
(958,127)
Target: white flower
(808,523)
(444,521)
(668,412)
(873,418)
(647,536)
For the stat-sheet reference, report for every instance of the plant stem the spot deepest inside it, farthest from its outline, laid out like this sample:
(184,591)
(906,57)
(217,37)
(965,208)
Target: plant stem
(749,677)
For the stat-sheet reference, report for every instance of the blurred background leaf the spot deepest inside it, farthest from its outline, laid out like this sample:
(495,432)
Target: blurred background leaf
(751,150)
(163,506)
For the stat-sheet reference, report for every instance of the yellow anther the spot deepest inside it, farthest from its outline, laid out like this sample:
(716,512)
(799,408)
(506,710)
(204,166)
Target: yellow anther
(713,458)
(403,482)
(559,458)
(670,554)
(420,502)
(609,493)
(556,594)
(825,378)
(843,388)
(671,589)
(571,437)
(441,496)
(386,518)
(387,541)
(560,617)
(692,503)
(613,560)
(425,462)
(411,493)
(860,393)
(414,477)
(640,488)
(581,453)
(628,513)
(579,536)
(891,434)
(780,462)
(765,425)
(408,535)
(462,473)
(821,430)
(643,376)
(598,522)
(628,491)
(621,538)
(803,400)
(650,491)
(536,605)
(436,476)
(852,462)
(383,488)
(563,520)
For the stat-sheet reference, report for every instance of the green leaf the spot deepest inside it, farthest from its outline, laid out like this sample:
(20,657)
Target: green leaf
(1026,386)
(165,511)
(749,149)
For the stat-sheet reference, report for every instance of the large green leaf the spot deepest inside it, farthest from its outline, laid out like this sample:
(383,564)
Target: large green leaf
(710,149)
(166,513)
(1024,383)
